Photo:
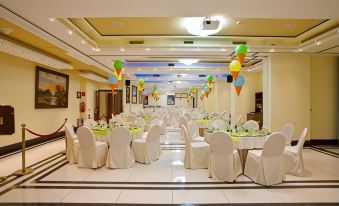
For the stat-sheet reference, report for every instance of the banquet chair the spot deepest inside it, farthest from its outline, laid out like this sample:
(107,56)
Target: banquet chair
(225,162)
(72,150)
(218,123)
(120,154)
(164,124)
(147,150)
(92,154)
(133,113)
(251,124)
(197,154)
(89,123)
(183,121)
(266,166)
(215,114)
(288,131)
(294,164)
(193,131)
(188,116)
(239,119)
(132,118)
(141,123)
(223,113)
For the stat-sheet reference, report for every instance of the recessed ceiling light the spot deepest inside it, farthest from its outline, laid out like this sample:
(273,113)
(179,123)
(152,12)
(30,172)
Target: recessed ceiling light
(83,41)
(300,49)
(272,50)
(93,49)
(147,49)
(188,62)
(117,24)
(70,32)
(122,49)
(238,22)
(223,49)
(317,42)
(51,19)
(139,69)
(97,49)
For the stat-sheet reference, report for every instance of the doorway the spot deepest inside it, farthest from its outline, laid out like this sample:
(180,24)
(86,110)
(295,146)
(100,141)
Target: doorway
(107,104)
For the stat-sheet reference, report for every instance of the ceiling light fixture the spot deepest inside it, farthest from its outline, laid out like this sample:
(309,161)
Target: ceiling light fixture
(238,22)
(188,62)
(204,26)
(51,19)
(272,50)
(317,42)
(223,49)
(122,49)
(147,49)
(83,41)
(97,49)
(70,32)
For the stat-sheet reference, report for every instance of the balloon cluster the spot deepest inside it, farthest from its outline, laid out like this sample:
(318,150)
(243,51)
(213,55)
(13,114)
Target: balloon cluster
(192,92)
(114,79)
(155,93)
(235,67)
(206,89)
(141,83)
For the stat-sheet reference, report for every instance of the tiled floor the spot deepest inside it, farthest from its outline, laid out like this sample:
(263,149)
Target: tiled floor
(165,181)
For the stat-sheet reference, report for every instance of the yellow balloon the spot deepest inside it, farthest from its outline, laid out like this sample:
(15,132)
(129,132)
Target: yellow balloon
(235,66)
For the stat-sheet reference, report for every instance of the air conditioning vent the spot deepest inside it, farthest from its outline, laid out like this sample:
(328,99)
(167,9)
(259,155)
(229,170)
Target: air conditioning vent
(171,64)
(202,75)
(136,42)
(188,42)
(156,75)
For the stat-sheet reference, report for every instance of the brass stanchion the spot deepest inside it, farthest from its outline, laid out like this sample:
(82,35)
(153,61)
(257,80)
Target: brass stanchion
(65,138)
(24,170)
(3,179)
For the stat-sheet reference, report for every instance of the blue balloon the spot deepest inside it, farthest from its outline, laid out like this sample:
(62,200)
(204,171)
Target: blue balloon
(207,89)
(144,93)
(240,81)
(113,79)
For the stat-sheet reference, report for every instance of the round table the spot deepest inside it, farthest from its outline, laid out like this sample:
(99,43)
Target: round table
(203,124)
(243,142)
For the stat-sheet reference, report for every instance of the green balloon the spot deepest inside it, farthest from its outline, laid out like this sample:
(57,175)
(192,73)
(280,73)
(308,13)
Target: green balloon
(209,78)
(118,64)
(241,49)
(141,81)
(203,86)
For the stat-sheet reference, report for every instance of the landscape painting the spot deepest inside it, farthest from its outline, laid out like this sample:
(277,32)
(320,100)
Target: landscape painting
(51,89)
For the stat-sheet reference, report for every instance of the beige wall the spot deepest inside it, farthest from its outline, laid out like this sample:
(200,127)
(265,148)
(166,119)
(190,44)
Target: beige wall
(324,97)
(17,88)
(290,92)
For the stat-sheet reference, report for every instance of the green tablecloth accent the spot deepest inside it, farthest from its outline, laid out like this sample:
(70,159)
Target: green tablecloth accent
(133,131)
(235,139)
(100,132)
(147,118)
(201,120)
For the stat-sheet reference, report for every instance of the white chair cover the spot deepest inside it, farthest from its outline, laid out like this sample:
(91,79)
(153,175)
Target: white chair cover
(148,149)
(92,154)
(288,131)
(120,154)
(215,114)
(132,118)
(251,124)
(197,154)
(193,131)
(266,166)
(141,123)
(188,116)
(183,121)
(239,119)
(89,123)
(218,123)
(225,162)
(294,163)
(72,150)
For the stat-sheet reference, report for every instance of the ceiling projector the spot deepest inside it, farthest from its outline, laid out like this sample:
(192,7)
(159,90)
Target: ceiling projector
(209,24)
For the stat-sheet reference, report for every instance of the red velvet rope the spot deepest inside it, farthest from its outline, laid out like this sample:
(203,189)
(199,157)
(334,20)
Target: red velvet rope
(103,116)
(45,135)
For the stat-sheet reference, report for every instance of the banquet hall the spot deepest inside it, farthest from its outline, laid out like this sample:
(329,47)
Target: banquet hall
(171,102)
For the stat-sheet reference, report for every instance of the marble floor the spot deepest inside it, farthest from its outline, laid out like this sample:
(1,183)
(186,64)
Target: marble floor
(166,181)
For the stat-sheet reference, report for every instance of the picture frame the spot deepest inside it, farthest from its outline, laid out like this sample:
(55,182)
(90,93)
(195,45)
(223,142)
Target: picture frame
(51,89)
(170,99)
(134,95)
(177,95)
(128,95)
(183,95)
(79,95)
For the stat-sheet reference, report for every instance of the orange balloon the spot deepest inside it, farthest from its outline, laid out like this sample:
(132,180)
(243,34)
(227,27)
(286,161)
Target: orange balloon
(113,87)
(241,58)
(238,89)
(235,75)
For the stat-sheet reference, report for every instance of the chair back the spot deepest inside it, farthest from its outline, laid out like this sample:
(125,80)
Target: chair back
(132,118)
(183,121)
(69,131)
(218,123)
(186,137)
(193,129)
(140,122)
(274,145)
(188,116)
(215,114)
(86,143)
(288,131)
(301,140)
(221,143)
(89,123)
(239,119)
(119,140)
(251,124)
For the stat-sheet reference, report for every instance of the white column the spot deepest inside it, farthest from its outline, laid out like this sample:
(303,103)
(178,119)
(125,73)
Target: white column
(267,92)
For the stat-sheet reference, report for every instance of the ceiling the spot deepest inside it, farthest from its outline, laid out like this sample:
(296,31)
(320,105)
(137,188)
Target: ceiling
(151,37)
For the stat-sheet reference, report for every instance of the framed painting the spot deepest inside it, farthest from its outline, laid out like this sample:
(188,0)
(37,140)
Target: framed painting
(134,95)
(170,100)
(128,95)
(51,89)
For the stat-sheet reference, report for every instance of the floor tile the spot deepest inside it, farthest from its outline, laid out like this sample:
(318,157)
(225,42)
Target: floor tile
(69,173)
(308,195)
(92,196)
(110,175)
(198,196)
(251,196)
(146,196)
(34,195)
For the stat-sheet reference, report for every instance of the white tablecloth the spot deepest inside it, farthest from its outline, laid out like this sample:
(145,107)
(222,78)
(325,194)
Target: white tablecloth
(203,124)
